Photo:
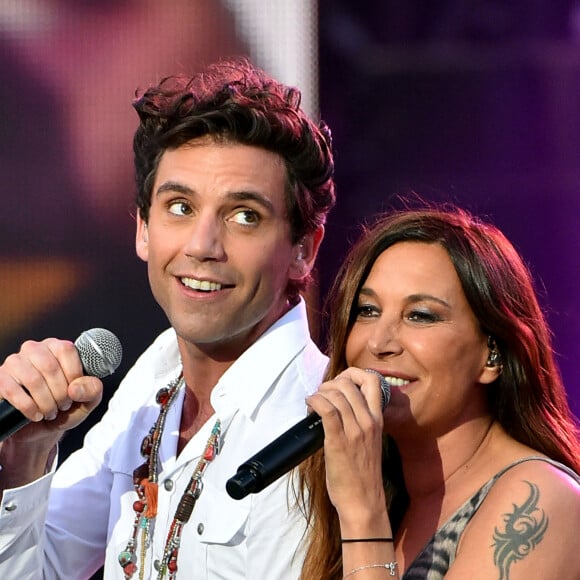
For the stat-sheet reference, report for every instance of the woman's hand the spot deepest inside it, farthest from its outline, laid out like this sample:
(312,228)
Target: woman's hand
(350,406)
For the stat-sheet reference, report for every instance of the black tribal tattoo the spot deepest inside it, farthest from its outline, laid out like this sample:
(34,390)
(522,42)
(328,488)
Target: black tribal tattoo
(524,530)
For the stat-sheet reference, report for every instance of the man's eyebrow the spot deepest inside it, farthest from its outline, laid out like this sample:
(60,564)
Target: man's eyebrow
(259,198)
(173,186)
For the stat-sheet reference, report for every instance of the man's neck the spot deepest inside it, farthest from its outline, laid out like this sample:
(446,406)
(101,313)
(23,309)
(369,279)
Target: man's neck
(194,414)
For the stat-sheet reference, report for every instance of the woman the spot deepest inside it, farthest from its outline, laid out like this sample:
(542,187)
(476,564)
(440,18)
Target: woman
(476,475)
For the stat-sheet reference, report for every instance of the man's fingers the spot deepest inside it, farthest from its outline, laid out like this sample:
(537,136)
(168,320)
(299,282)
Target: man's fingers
(36,379)
(87,390)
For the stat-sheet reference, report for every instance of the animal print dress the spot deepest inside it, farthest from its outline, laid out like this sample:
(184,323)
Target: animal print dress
(434,561)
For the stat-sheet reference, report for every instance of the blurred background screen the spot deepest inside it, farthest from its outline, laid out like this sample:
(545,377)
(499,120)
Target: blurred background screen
(476,103)
(69,71)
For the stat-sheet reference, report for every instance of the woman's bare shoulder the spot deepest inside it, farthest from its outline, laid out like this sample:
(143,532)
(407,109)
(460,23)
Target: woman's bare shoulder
(524,527)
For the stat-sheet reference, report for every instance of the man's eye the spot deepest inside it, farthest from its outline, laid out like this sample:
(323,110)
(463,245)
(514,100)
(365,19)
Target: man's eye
(179,208)
(246,217)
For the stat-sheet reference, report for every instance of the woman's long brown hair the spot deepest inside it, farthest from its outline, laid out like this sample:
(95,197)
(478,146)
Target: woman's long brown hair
(528,399)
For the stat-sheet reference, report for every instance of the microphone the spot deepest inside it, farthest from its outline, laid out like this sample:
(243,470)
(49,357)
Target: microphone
(285,452)
(100,352)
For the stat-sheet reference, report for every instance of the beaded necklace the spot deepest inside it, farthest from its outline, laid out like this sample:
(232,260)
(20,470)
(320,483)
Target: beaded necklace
(145,480)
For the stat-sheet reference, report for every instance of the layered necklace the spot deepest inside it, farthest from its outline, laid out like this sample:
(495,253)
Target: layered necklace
(145,480)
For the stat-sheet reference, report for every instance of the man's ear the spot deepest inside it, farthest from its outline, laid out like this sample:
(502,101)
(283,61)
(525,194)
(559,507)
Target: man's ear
(142,239)
(305,253)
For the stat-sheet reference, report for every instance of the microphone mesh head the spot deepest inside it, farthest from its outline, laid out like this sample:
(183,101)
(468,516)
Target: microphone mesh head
(385,388)
(100,352)
(385,392)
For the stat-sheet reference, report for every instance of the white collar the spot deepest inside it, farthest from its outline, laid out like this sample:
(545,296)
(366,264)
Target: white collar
(248,380)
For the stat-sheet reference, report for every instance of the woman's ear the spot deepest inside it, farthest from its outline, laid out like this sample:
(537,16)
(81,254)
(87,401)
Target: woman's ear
(493,365)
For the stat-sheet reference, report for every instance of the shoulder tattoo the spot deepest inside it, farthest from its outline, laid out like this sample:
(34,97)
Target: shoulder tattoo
(524,529)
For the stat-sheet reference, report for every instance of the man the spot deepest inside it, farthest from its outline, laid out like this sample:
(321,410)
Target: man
(234,185)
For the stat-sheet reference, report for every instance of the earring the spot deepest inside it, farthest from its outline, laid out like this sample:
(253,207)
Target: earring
(300,256)
(494,357)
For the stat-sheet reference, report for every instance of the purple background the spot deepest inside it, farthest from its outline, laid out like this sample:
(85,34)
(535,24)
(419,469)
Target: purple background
(475,104)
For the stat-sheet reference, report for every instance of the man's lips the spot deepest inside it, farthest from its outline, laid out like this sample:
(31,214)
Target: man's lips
(202,285)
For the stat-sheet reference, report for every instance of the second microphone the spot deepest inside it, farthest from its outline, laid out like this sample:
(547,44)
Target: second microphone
(284,453)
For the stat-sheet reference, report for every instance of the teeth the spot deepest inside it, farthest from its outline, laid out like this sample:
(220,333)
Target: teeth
(203,285)
(396,382)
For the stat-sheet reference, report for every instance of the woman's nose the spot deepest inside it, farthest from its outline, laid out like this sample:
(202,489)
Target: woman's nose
(384,340)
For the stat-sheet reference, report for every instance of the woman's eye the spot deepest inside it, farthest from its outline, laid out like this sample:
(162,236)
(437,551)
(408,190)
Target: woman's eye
(246,217)
(366,311)
(179,208)
(422,316)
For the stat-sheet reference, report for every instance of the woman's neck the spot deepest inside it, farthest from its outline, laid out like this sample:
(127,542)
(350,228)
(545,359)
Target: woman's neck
(433,466)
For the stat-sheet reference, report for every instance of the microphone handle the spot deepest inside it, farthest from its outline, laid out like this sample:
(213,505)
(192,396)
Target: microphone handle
(277,458)
(11,420)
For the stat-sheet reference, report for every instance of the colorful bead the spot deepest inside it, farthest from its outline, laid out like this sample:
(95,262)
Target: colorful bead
(140,473)
(197,489)
(146,446)
(162,397)
(130,569)
(125,558)
(138,506)
(209,453)
(144,523)
(185,508)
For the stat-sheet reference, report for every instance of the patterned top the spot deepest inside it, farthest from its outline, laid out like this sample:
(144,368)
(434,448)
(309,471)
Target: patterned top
(434,560)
